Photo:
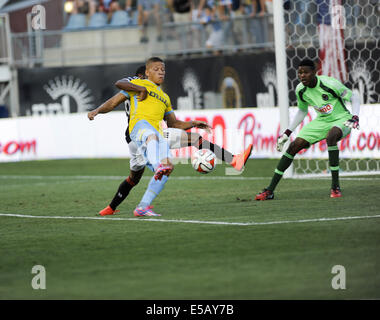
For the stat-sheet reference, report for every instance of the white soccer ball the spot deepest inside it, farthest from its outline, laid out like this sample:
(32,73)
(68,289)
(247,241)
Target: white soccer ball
(203,161)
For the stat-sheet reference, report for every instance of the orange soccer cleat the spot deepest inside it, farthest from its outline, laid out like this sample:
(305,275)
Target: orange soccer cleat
(239,160)
(107,211)
(335,193)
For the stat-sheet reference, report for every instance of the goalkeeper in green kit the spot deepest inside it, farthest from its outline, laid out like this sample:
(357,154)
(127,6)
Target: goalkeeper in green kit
(328,96)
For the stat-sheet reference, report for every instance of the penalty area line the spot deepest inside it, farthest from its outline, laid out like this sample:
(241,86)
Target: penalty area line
(190,221)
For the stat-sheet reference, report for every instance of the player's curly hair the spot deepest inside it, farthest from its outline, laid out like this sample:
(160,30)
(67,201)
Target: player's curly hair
(140,70)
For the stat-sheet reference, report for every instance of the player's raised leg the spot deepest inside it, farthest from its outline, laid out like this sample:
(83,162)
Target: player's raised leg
(237,161)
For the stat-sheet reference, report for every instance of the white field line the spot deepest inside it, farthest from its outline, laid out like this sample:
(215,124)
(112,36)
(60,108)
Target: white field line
(20,177)
(190,221)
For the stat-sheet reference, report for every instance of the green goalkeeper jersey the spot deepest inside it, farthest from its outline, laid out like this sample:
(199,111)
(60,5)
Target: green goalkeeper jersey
(327,98)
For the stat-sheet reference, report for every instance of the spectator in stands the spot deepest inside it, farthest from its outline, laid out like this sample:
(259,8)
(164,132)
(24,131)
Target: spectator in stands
(197,16)
(239,24)
(84,7)
(224,9)
(226,15)
(103,6)
(246,6)
(110,6)
(215,40)
(145,8)
(197,7)
(258,8)
(181,12)
(259,23)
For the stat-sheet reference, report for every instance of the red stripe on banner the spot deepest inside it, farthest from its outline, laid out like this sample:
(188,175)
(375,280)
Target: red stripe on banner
(331,49)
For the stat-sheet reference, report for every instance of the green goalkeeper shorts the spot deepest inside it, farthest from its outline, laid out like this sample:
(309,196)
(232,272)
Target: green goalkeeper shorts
(318,129)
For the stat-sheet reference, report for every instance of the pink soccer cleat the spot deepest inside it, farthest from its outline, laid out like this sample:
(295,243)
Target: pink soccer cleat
(145,212)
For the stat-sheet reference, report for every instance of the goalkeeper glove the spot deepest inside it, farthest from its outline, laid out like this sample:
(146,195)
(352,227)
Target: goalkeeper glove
(352,123)
(281,140)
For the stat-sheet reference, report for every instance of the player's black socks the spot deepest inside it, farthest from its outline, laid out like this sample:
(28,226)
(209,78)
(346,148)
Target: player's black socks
(284,164)
(122,193)
(220,153)
(334,165)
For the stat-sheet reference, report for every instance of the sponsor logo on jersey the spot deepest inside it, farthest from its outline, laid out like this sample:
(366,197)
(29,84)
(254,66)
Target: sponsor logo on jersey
(326,109)
(157,96)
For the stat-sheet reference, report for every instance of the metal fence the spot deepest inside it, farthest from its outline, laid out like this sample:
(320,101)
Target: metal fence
(236,34)
(122,45)
(63,48)
(117,45)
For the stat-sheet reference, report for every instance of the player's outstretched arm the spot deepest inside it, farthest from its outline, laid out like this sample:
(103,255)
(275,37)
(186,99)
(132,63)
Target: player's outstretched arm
(126,85)
(173,122)
(107,106)
(281,140)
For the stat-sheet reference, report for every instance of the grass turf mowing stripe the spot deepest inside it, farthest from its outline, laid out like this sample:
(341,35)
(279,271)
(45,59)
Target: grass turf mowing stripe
(191,221)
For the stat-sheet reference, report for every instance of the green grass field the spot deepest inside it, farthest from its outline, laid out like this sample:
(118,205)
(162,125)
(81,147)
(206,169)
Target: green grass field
(251,256)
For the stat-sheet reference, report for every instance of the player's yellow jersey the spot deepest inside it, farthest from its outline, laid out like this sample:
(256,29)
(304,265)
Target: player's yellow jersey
(152,109)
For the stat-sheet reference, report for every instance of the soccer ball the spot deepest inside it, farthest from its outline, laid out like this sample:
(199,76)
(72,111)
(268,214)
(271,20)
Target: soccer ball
(203,161)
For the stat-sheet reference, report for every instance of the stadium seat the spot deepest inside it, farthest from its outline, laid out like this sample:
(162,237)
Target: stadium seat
(98,20)
(119,18)
(76,21)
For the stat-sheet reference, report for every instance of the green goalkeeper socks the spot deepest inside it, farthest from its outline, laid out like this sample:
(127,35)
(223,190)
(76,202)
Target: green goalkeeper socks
(334,165)
(287,160)
(284,164)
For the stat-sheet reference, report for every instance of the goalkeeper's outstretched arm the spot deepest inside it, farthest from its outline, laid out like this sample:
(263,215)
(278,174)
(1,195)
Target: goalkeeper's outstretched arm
(281,140)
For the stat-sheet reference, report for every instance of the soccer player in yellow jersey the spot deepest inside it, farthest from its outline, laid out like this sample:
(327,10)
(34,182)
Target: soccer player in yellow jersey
(144,125)
(177,138)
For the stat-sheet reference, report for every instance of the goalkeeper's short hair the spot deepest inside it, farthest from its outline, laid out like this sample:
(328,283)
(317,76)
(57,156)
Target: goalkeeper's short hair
(307,63)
